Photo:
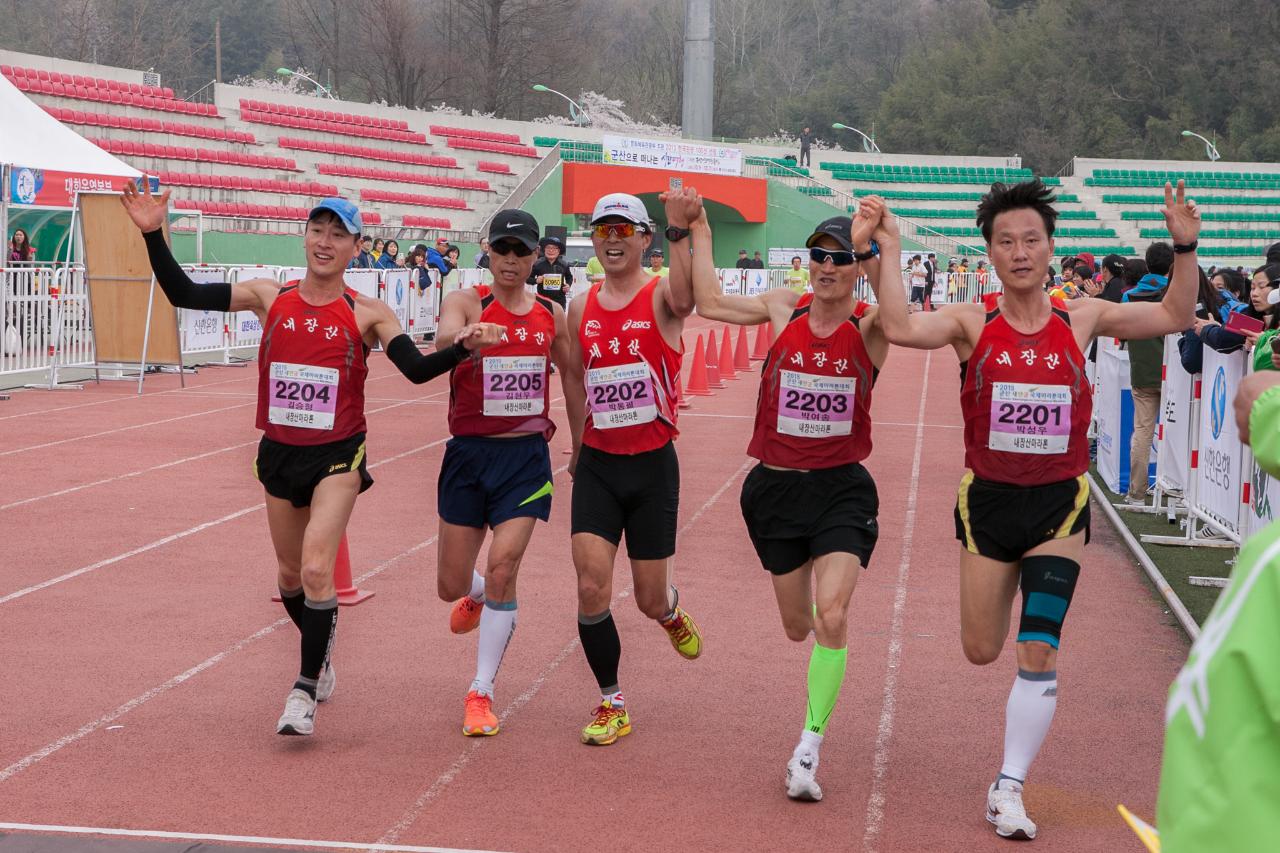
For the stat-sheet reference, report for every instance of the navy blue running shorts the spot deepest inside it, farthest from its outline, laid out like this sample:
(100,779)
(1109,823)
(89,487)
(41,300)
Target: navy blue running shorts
(486,481)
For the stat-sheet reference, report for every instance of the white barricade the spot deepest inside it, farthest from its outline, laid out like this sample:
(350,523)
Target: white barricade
(44,318)
(73,318)
(1113,413)
(755,282)
(731,281)
(396,285)
(1263,505)
(424,311)
(245,330)
(1219,491)
(1173,434)
(288,274)
(364,282)
(202,331)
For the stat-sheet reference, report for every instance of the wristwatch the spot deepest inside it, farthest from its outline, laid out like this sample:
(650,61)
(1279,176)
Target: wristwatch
(674,234)
(867,255)
(1185,248)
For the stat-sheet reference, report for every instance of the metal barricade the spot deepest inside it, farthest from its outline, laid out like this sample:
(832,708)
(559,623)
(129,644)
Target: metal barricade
(244,329)
(44,319)
(204,331)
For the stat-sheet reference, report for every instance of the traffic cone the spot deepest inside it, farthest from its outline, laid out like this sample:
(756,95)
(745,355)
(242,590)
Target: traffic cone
(712,362)
(761,350)
(347,592)
(697,386)
(741,356)
(726,357)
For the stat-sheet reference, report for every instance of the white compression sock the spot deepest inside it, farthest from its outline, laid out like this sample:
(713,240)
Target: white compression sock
(497,624)
(1027,718)
(809,742)
(477,586)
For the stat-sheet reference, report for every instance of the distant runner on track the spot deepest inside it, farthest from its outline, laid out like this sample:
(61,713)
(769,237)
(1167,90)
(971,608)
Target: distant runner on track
(316,336)
(810,506)
(1022,514)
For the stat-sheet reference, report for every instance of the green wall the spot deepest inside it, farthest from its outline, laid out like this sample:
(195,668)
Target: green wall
(222,248)
(547,202)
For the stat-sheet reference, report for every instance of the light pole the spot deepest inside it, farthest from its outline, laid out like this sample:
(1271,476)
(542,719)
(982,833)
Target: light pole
(576,112)
(1210,150)
(868,142)
(289,72)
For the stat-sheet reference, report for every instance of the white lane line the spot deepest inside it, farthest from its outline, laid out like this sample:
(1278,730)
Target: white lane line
(118,399)
(443,781)
(141,471)
(884,732)
(174,537)
(926,426)
(121,429)
(110,717)
(231,839)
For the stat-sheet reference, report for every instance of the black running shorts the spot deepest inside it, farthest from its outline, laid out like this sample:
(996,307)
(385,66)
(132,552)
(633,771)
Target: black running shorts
(634,494)
(794,516)
(1004,522)
(291,472)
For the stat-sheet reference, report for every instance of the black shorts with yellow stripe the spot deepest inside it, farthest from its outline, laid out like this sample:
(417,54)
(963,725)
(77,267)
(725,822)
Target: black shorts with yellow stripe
(1003,521)
(291,472)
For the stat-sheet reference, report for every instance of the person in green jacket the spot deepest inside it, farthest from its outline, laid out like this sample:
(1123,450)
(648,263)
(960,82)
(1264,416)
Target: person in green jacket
(1219,785)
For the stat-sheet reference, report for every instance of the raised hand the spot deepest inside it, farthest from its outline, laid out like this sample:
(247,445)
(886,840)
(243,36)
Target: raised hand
(684,206)
(886,229)
(870,211)
(1180,215)
(148,212)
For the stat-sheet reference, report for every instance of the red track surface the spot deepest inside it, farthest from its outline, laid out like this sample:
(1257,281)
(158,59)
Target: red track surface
(142,690)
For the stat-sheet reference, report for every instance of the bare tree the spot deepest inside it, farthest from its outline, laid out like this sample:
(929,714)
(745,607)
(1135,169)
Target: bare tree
(395,61)
(511,42)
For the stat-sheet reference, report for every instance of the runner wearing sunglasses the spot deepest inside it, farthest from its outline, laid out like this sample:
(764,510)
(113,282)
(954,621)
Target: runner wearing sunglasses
(496,472)
(626,356)
(1022,513)
(810,506)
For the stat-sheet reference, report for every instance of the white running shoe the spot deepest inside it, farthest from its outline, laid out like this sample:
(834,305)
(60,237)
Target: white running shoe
(1005,810)
(325,685)
(299,716)
(801,784)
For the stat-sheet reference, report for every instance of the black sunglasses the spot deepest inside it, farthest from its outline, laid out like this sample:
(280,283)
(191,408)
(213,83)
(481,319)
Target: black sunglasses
(507,247)
(841,259)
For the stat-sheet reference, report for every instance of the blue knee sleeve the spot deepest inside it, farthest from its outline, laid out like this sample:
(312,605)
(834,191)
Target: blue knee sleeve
(1048,582)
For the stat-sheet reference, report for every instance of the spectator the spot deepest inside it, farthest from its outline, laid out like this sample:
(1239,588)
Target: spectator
(1266,280)
(435,256)
(1068,269)
(1146,356)
(744,263)
(595,270)
(1086,258)
(806,140)
(453,256)
(1217,303)
(797,277)
(1114,283)
(551,273)
(482,257)
(390,254)
(984,274)
(915,270)
(20,247)
(1273,254)
(364,258)
(952,276)
(656,266)
(1084,281)
(757,263)
(930,276)
(377,249)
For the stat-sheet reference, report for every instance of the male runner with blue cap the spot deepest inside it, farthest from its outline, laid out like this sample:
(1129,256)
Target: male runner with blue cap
(312,362)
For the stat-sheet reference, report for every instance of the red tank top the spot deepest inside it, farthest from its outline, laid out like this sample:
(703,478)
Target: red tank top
(814,409)
(507,388)
(312,364)
(1026,402)
(632,376)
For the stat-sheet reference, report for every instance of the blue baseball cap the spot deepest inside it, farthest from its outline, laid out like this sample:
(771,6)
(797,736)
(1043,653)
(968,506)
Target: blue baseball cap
(347,212)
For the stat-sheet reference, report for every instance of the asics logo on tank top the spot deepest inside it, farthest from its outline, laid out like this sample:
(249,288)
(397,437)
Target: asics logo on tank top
(636,324)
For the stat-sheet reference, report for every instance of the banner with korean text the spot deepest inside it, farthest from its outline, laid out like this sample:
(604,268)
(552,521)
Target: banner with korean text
(672,155)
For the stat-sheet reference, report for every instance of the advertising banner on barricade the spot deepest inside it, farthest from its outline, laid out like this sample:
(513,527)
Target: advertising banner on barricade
(1264,499)
(395,292)
(364,282)
(1113,413)
(1218,488)
(202,331)
(731,281)
(755,282)
(246,330)
(423,307)
(1173,433)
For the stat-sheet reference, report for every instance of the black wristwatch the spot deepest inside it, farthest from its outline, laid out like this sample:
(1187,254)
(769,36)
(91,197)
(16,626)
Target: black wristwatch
(674,234)
(1185,248)
(867,255)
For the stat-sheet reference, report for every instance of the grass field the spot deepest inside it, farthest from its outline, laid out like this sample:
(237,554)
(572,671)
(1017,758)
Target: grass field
(1177,563)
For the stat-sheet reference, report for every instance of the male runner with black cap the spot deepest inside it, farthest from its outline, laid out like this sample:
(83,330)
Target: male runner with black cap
(316,336)
(626,354)
(1022,513)
(496,473)
(810,506)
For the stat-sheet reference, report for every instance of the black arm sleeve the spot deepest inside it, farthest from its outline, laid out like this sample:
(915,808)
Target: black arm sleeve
(178,288)
(419,368)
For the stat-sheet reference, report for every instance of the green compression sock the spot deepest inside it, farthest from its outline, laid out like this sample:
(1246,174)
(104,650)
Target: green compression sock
(826,673)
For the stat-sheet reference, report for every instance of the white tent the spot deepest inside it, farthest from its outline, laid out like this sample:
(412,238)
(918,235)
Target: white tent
(31,137)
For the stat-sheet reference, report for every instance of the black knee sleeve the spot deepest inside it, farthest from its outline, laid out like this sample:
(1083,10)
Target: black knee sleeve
(1048,583)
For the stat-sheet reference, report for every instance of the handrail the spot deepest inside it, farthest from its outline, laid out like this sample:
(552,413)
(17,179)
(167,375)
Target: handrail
(522,191)
(193,95)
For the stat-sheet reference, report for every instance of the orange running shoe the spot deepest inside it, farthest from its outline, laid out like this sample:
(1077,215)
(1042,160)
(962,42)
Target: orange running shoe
(610,723)
(465,615)
(479,720)
(684,634)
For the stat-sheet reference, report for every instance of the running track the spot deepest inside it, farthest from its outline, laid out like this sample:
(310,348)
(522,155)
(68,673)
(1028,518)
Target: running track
(144,666)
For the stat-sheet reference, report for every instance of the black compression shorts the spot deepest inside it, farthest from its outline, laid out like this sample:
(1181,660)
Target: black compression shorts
(637,494)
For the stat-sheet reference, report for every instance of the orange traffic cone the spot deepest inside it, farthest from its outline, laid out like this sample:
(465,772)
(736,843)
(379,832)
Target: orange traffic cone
(741,357)
(726,357)
(712,362)
(697,386)
(761,350)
